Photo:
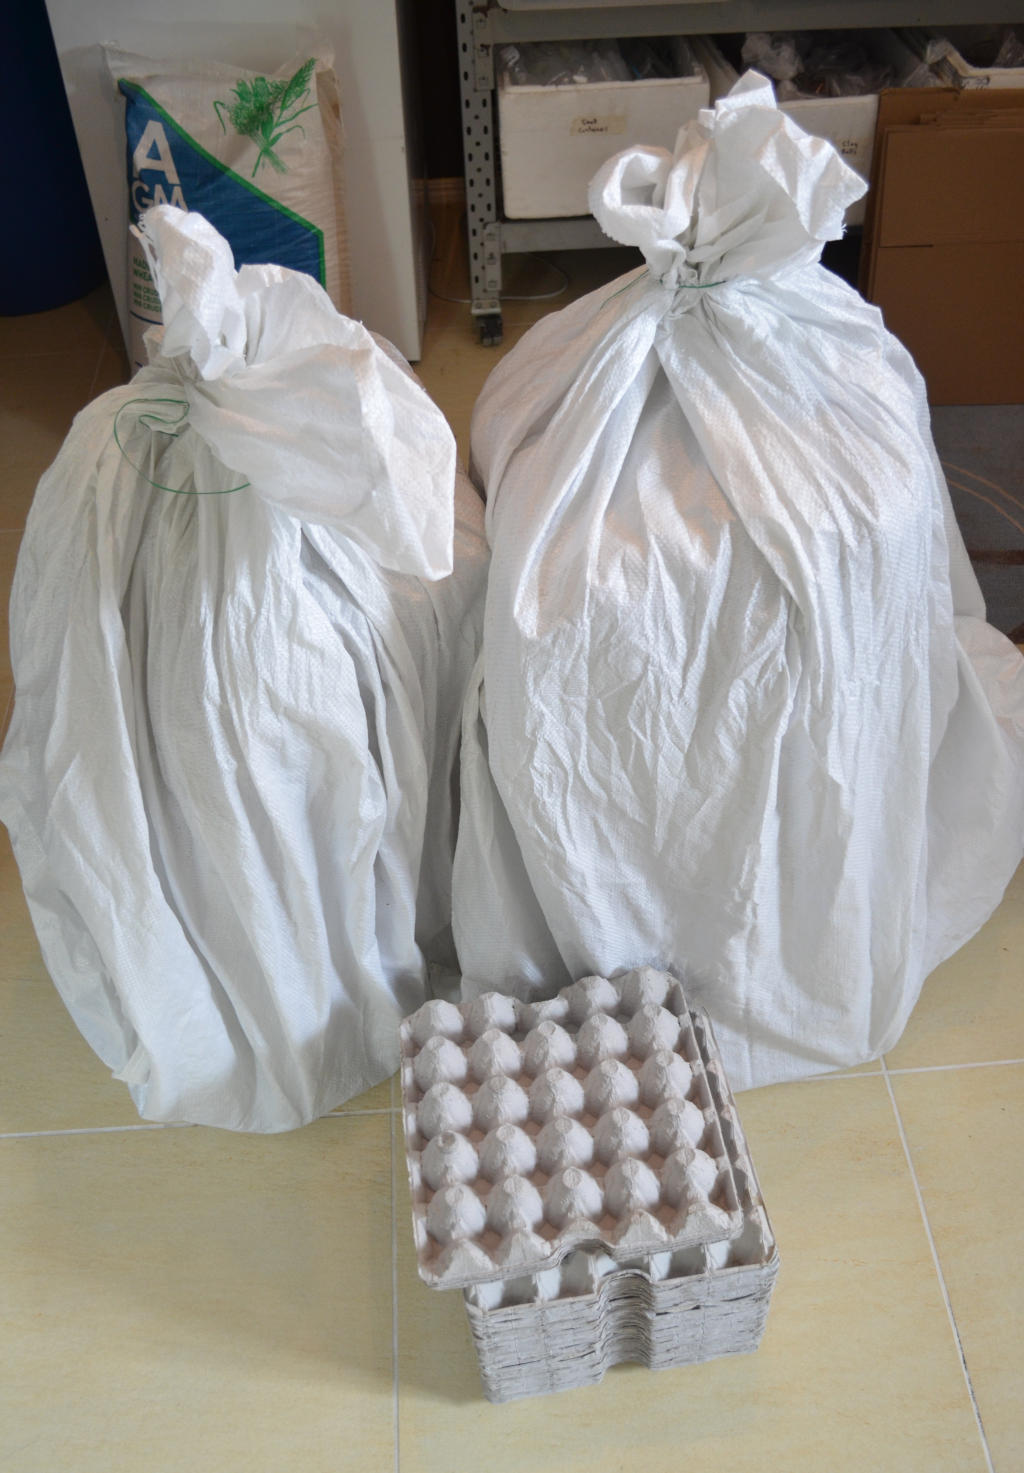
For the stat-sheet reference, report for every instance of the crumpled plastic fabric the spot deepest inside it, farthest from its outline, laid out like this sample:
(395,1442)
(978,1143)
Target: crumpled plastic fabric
(738,714)
(228,777)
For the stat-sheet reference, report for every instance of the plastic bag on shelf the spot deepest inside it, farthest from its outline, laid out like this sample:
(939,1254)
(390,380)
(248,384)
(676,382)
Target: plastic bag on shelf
(738,714)
(967,56)
(826,64)
(561,63)
(684,60)
(239,649)
(774,54)
(984,46)
(649,59)
(1010,52)
(980,46)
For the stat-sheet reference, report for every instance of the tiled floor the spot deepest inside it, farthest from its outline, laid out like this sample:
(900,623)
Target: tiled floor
(180,1298)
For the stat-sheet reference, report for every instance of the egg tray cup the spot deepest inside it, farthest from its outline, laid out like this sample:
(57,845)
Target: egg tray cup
(535,1128)
(564,1328)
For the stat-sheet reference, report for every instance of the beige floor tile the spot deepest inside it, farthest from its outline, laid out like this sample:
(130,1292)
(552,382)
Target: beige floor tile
(965,1130)
(80,328)
(39,397)
(455,366)
(10,541)
(969,1011)
(185,1298)
(20,959)
(50,1079)
(51,365)
(111,371)
(858,1369)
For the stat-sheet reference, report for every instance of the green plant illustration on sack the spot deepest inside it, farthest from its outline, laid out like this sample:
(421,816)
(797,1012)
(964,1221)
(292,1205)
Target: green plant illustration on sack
(264,111)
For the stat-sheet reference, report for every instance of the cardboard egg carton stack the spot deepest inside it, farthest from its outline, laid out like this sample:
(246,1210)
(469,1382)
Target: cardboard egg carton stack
(578,1169)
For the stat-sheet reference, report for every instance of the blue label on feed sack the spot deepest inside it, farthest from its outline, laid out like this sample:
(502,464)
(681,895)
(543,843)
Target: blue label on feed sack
(167,167)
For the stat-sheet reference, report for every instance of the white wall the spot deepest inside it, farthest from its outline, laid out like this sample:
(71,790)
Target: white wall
(385,239)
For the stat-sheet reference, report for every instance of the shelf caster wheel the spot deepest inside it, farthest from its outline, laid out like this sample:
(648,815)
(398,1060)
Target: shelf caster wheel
(489,327)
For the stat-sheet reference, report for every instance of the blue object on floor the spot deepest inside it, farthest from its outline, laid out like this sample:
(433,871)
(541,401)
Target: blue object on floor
(50,250)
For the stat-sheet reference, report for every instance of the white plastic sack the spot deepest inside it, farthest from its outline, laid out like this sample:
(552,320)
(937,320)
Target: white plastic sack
(229,774)
(738,714)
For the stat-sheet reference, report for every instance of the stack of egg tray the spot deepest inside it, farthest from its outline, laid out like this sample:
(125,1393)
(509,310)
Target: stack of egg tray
(578,1169)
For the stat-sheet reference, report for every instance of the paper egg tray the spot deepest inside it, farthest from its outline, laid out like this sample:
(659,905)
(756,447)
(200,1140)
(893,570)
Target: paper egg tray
(565,1327)
(533,1129)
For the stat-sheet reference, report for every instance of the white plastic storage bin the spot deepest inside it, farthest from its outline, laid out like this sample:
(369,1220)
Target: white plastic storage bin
(848,122)
(554,139)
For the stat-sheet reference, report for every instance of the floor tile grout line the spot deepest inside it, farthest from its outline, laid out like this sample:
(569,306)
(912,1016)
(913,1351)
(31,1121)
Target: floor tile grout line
(28,1135)
(20,1135)
(111,319)
(394,1290)
(906,1069)
(942,1068)
(837,1074)
(394,1110)
(90,393)
(938,1269)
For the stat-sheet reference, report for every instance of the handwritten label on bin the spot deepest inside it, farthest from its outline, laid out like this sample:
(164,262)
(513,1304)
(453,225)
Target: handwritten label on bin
(606,123)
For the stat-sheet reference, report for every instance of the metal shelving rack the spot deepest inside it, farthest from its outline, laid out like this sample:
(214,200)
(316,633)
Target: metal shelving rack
(484,24)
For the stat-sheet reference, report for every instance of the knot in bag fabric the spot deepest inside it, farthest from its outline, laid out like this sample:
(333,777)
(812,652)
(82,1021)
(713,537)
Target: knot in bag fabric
(738,713)
(229,770)
(316,416)
(747,193)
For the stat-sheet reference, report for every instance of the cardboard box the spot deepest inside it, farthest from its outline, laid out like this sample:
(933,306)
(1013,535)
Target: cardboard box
(554,139)
(847,122)
(944,239)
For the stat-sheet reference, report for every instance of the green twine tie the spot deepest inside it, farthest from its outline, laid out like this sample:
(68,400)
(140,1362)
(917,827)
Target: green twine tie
(686,286)
(171,425)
